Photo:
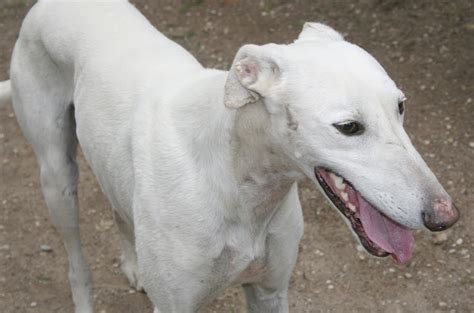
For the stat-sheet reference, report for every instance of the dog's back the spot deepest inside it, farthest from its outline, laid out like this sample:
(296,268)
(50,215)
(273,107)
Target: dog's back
(83,63)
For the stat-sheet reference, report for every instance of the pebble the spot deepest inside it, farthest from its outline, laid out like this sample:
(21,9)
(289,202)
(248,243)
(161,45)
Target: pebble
(459,241)
(46,248)
(471,144)
(5,247)
(443,304)
(439,238)
(330,287)
(33,304)
(408,275)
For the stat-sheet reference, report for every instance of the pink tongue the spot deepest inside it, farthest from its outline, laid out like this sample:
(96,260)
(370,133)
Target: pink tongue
(388,235)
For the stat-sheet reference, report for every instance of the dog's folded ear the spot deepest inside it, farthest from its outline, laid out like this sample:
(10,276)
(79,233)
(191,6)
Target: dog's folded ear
(252,74)
(318,32)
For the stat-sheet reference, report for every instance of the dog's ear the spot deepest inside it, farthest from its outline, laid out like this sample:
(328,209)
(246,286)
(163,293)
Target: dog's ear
(252,74)
(318,32)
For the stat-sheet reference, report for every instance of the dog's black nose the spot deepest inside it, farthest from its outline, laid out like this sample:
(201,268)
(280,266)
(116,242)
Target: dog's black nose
(443,215)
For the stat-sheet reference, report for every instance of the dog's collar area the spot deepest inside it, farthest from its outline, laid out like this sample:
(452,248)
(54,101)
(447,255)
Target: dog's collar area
(379,235)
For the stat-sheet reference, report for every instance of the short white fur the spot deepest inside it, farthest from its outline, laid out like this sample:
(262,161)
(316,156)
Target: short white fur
(201,165)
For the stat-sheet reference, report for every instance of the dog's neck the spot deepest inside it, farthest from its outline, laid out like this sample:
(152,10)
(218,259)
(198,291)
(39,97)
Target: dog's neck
(256,156)
(263,172)
(243,166)
(241,152)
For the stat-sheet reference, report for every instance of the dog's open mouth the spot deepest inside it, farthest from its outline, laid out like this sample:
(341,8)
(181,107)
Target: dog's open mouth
(378,234)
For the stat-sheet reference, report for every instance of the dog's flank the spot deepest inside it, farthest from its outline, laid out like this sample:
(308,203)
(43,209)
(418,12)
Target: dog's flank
(201,166)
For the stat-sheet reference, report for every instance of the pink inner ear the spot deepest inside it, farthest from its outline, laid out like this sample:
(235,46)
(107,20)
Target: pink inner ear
(247,70)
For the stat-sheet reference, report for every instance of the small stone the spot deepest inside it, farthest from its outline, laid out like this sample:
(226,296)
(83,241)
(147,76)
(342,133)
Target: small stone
(471,144)
(459,241)
(442,304)
(104,225)
(391,270)
(132,291)
(330,287)
(408,275)
(4,247)
(33,304)
(439,238)
(46,248)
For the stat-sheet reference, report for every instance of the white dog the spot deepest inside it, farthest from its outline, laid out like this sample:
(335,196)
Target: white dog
(201,165)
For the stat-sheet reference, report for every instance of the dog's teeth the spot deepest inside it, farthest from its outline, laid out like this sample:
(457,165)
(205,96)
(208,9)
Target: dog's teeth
(351,207)
(344,196)
(338,181)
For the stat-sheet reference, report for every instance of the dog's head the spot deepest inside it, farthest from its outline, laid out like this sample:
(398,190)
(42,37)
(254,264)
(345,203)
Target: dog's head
(338,116)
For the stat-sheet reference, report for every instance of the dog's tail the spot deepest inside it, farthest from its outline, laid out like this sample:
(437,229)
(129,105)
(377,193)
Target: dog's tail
(5,93)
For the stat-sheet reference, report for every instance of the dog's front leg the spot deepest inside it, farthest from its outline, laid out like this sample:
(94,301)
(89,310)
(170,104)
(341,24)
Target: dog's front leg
(284,234)
(263,300)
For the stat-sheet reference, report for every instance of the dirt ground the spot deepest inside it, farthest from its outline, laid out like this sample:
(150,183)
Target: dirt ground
(426,46)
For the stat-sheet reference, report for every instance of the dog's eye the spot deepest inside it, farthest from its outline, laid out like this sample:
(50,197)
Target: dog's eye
(401,107)
(350,128)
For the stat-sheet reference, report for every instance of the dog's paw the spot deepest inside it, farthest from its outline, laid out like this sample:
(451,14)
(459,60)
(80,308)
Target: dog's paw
(130,269)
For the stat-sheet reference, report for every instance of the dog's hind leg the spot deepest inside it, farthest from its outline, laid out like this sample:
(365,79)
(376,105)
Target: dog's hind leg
(42,99)
(59,176)
(129,256)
